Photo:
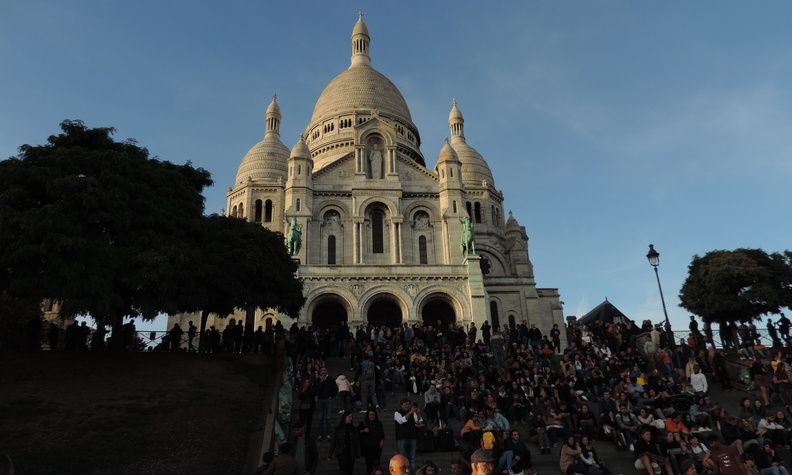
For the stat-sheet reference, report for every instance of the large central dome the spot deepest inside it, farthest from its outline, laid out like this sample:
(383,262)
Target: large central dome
(353,97)
(361,88)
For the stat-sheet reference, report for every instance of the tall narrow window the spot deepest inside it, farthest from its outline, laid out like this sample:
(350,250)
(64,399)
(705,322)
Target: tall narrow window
(478,212)
(469,209)
(376,233)
(241,210)
(455,208)
(494,314)
(257,214)
(268,211)
(298,204)
(422,256)
(331,250)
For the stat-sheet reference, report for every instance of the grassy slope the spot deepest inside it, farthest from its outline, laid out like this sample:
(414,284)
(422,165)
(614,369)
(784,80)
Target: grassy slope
(131,413)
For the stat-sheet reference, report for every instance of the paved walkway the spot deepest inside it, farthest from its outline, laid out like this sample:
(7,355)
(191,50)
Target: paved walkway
(618,462)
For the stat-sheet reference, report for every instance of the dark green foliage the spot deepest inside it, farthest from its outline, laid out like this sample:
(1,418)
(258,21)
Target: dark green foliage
(112,233)
(740,285)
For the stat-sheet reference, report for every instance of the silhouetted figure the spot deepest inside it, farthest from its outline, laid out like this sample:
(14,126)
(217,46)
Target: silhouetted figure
(72,338)
(34,329)
(128,331)
(175,336)
(85,334)
(98,339)
(259,340)
(238,333)
(191,336)
(53,336)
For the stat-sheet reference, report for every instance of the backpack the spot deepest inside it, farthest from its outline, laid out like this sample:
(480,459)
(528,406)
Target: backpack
(369,372)
(487,441)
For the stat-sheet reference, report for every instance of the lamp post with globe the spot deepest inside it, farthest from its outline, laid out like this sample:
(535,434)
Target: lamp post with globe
(654,261)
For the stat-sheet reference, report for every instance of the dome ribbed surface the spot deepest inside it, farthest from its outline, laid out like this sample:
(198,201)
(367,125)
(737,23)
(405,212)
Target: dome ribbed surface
(300,150)
(447,154)
(266,161)
(361,87)
(474,167)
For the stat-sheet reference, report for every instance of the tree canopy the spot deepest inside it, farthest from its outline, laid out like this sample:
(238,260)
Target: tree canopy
(110,232)
(740,285)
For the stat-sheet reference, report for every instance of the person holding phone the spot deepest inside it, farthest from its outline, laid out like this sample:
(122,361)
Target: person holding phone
(408,421)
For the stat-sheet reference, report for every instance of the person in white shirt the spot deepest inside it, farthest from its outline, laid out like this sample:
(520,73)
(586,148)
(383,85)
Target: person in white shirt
(698,381)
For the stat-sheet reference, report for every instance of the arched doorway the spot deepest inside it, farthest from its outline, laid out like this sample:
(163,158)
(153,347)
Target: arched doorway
(329,314)
(438,309)
(385,310)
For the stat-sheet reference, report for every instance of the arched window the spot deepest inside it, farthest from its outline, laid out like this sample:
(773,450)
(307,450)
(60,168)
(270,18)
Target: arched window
(494,314)
(241,210)
(257,213)
(299,169)
(268,211)
(376,233)
(234,211)
(298,204)
(494,216)
(469,209)
(478,212)
(331,250)
(422,256)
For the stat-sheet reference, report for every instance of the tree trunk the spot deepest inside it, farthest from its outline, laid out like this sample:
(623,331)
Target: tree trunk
(117,339)
(202,336)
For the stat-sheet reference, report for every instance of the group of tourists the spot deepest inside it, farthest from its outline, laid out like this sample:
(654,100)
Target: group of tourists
(497,388)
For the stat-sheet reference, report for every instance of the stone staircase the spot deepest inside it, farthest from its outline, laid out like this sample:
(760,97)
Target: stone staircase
(618,462)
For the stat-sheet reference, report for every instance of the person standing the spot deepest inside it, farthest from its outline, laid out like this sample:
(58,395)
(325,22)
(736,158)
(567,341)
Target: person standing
(408,421)
(307,398)
(486,332)
(175,336)
(305,450)
(783,328)
(472,333)
(326,390)
(372,436)
(345,444)
(191,330)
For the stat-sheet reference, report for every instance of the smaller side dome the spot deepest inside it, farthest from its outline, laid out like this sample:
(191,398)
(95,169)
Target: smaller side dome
(447,154)
(475,170)
(300,149)
(266,161)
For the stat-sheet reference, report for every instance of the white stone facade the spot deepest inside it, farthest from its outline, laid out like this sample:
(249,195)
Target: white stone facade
(381,231)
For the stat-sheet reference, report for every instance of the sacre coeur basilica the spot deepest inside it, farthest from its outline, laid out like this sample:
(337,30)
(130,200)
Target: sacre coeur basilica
(379,236)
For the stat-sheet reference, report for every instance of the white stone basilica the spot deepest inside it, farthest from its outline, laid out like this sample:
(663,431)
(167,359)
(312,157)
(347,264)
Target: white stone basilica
(381,232)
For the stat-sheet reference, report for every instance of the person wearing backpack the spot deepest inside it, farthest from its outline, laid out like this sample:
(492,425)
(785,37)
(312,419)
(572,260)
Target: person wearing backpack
(366,379)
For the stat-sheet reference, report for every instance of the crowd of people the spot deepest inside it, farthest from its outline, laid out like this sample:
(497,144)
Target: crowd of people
(498,388)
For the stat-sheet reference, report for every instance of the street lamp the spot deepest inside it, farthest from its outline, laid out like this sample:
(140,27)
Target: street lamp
(654,261)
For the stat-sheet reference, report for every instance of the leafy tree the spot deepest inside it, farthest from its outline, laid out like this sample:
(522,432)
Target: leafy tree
(240,265)
(97,225)
(737,286)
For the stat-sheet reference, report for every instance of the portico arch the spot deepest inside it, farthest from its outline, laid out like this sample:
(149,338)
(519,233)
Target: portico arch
(384,309)
(438,307)
(329,311)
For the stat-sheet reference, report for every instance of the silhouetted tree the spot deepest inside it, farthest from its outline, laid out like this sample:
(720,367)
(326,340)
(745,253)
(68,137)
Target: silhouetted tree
(97,225)
(737,286)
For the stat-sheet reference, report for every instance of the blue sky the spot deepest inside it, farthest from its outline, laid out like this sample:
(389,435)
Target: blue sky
(607,125)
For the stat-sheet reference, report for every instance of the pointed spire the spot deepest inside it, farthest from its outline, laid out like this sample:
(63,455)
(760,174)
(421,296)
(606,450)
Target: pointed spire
(457,123)
(360,43)
(273,117)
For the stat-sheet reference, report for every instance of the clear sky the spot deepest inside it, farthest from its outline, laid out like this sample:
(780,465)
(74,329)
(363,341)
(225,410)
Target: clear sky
(608,125)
